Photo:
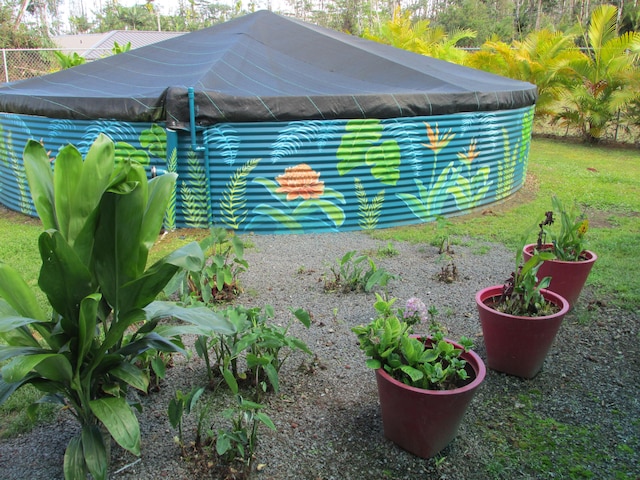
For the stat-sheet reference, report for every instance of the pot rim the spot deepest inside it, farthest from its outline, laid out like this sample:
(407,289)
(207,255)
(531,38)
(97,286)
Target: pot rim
(558,300)
(471,357)
(592,257)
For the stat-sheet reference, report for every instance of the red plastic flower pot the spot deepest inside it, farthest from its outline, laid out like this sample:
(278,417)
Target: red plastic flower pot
(567,278)
(421,421)
(517,345)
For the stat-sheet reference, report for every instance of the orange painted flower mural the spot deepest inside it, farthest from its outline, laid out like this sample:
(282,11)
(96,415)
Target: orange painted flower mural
(471,154)
(300,181)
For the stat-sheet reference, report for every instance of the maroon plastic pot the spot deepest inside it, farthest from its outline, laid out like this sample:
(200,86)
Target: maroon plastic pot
(423,422)
(517,345)
(567,278)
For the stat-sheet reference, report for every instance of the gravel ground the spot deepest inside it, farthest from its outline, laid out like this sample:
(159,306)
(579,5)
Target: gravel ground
(580,414)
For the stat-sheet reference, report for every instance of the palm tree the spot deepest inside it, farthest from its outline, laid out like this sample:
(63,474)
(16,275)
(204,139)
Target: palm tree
(419,37)
(542,58)
(603,77)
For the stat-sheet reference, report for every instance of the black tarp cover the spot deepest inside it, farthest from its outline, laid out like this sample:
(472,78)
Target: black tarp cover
(263,67)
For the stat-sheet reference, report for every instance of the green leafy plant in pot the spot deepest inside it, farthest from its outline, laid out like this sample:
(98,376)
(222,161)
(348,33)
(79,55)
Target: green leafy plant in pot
(520,319)
(572,262)
(100,220)
(425,382)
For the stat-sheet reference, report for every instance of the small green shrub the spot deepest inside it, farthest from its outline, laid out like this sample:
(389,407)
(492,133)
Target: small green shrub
(356,273)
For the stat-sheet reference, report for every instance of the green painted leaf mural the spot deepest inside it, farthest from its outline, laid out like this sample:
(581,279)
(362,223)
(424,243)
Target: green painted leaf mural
(233,205)
(125,151)
(369,211)
(154,140)
(360,147)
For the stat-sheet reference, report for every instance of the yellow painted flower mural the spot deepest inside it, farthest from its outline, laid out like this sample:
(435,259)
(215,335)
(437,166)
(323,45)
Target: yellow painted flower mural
(300,181)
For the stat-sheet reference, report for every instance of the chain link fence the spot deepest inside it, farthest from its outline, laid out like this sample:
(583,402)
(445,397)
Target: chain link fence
(18,64)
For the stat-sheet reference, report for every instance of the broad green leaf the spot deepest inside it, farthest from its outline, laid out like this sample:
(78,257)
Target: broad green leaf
(40,177)
(150,341)
(132,375)
(117,246)
(223,443)
(160,189)
(87,325)
(373,363)
(6,389)
(200,316)
(192,398)
(302,315)
(19,367)
(95,179)
(176,408)
(142,290)
(415,374)
(159,367)
(188,257)
(63,276)
(15,291)
(7,352)
(66,177)
(95,453)
(119,326)
(230,380)
(56,368)
(74,464)
(264,418)
(119,419)
(272,375)
(7,324)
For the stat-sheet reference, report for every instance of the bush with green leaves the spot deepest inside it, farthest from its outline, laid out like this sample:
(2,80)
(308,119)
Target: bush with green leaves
(217,280)
(356,273)
(264,346)
(100,220)
(522,292)
(430,362)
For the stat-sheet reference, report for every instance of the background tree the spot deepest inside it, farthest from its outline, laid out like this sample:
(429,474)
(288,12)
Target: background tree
(487,20)
(603,75)
(419,37)
(542,58)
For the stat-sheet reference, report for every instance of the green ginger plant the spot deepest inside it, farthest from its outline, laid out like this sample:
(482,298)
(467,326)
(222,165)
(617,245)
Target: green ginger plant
(100,220)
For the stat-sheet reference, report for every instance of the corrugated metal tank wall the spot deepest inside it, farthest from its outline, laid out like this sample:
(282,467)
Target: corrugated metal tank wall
(306,176)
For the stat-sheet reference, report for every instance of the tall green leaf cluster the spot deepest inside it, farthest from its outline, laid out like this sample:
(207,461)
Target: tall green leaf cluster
(100,220)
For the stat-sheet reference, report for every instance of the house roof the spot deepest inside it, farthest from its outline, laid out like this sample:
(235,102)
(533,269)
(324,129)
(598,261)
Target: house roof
(263,67)
(95,45)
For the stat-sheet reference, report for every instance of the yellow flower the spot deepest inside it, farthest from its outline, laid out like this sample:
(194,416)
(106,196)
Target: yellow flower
(584,226)
(437,143)
(471,154)
(300,181)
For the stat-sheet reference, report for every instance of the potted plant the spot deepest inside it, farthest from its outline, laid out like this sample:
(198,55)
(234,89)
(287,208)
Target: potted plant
(100,219)
(572,262)
(425,382)
(520,319)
